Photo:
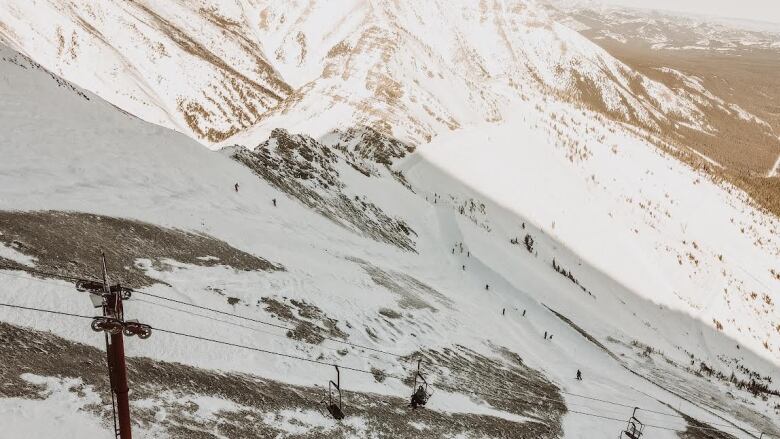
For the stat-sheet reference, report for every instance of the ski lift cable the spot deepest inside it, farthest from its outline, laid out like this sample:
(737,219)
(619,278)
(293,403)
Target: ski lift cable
(452,388)
(268,351)
(404,356)
(661,427)
(537,397)
(74,278)
(464,370)
(250,328)
(451,368)
(278,326)
(454,369)
(168,331)
(45,281)
(46,273)
(49,311)
(236,345)
(393,354)
(353,369)
(205,308)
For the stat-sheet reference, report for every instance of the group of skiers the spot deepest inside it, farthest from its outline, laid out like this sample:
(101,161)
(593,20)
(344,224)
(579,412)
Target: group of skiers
(419,398)
(272,200)
(547,336)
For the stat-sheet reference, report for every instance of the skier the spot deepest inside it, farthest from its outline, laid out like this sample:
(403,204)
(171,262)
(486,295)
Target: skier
(523,313)
(418,398)
(503,312)
(545,335)
(464,268)
(487,287)
(579,375)
(236,187)
(274,201)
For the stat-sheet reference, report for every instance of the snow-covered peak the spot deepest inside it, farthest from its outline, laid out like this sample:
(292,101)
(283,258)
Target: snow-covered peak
(230,72)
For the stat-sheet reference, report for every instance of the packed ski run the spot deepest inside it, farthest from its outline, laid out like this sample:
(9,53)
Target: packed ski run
(551,267)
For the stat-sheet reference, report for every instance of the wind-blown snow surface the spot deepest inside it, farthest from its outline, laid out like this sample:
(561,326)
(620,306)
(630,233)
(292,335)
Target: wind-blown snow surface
(64,149)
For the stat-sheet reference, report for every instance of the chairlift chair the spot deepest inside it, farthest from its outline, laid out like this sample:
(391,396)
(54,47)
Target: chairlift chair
(335,409)
(96,287)
(98,294)
(421,394)
(634,428)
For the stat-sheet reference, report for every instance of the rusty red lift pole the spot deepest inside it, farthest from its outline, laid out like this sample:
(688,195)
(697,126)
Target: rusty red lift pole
(112,308)
(112,323)
(117,353)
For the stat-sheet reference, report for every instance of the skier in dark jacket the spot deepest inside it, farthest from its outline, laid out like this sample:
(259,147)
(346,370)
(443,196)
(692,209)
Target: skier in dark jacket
(418,398)
(236,187)
(579,375)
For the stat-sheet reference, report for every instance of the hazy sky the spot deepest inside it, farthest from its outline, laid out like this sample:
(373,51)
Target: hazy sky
(762,10)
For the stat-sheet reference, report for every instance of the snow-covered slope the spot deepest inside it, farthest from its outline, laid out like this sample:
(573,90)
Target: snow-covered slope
(627,312)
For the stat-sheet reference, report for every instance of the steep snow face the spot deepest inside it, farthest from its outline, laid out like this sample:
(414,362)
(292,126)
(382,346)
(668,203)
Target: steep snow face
(411,69)
(182,65)
(668,234)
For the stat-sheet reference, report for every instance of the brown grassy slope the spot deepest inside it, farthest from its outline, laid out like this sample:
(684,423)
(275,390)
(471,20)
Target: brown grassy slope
(71,242)
(749,80)
(746,150)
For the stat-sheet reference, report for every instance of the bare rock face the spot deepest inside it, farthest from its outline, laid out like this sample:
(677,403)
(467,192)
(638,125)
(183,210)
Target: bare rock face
(308,170)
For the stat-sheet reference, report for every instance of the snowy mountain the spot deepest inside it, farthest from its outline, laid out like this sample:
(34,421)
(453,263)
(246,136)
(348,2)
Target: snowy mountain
(415,180)
(230,73)
(727,67)
(183,67)
(213,69)
(664,30)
